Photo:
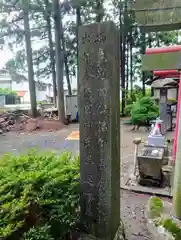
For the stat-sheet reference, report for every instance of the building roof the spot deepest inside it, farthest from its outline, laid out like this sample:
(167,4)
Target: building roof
(164,83)
(21,93)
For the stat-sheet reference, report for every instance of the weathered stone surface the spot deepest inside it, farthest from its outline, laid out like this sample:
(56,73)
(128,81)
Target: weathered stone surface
(168,175)
(87,237)
(99,107)
(161,61)
(120,235)
(163,109)
(167,82)
(160,15)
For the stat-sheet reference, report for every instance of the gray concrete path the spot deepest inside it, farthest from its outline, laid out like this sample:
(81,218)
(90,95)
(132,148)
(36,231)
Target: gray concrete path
(16,143)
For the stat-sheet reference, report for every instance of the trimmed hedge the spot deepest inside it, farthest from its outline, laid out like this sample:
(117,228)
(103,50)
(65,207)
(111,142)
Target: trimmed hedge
(39,196)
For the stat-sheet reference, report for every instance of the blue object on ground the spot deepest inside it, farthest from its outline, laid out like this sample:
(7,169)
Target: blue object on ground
(77,116)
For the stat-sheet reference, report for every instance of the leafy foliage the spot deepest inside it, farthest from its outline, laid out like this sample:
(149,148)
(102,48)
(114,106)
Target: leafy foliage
(132,96)
(6,91)
(39,195)
(128,109)
(38,233)
(173,228)
(156,206)
(144,110)
(135,94)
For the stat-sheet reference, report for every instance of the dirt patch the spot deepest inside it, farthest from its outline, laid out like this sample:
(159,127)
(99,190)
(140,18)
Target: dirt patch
(53,125)
(32,125)
(37,125)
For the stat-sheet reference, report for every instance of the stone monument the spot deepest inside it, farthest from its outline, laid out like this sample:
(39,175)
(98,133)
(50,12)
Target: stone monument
(99,108)
(163,86)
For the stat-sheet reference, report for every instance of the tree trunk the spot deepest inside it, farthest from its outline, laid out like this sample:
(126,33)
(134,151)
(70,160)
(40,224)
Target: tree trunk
(157,40)
(131,61)
(122,46)
(127,29)
(32,86)
(99,10)
(52,52)
(150,46)
(149,40)
(59,62)
(78,24)
(143,73)
(177,174)
(127,65)
(65,57)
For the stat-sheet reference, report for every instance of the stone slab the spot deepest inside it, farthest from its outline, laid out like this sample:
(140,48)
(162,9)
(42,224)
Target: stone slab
(120,234)
(132,185)
(156,16)
(129,182)
(99,118)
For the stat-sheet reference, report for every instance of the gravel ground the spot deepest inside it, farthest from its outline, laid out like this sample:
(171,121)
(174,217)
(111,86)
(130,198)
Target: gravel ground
(132,204)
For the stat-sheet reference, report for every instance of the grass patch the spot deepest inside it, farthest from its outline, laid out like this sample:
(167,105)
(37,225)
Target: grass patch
(156,208)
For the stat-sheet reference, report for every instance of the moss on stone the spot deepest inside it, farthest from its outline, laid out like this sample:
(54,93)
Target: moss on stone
(156,207)
(172,228)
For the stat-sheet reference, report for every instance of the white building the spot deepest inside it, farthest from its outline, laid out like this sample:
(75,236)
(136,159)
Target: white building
(44,91)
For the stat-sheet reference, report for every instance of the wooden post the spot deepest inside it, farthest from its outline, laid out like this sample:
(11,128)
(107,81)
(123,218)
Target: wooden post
(177,121)
(177,176)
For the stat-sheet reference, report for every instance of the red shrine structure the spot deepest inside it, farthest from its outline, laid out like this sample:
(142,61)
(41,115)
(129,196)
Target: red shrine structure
(169,74)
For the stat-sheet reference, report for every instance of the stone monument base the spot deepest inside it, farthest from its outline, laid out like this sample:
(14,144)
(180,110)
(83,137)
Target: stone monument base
(120,235)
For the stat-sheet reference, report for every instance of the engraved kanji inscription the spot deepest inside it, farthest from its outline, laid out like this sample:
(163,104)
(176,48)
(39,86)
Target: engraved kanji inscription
(93,38)
(87,142)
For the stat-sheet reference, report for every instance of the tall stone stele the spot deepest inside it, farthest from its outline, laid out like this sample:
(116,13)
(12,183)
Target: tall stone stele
(99,108)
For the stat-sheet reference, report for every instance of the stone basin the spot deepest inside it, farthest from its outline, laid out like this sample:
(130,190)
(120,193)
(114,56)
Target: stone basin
(150,161)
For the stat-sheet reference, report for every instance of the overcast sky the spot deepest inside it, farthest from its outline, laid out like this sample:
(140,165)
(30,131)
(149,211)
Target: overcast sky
(6,54)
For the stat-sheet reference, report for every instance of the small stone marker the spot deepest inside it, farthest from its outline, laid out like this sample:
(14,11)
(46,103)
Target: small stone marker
(99,108)
(163,109)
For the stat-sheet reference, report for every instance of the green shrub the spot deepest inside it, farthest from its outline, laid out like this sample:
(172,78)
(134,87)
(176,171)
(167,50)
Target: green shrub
(128,101)
(144,111)
(39,195)
(7,91)
(156,207)
(172,228)
(38,233)
(133,96)
(128,109)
